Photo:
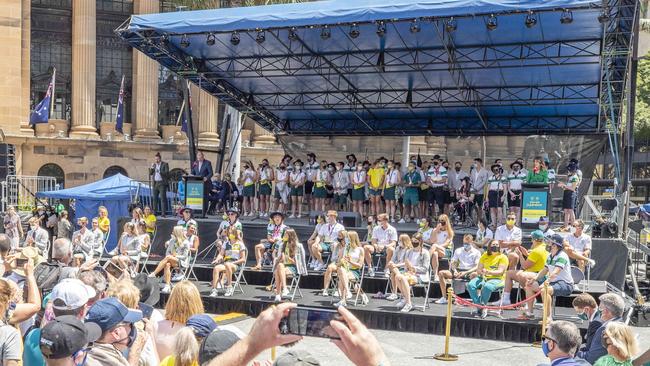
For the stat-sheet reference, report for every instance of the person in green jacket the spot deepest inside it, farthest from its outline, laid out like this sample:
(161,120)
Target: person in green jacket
(539,174)
(621,345)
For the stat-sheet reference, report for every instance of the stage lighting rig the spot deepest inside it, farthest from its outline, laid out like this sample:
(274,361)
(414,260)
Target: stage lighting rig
(415,26)
(325,33)
(531,19)
(451,25)
(292,34)
(211,40)
(567,17)
(604,15)
(354,30)
(261,37)
(235,39)
(492,22)
(185,42)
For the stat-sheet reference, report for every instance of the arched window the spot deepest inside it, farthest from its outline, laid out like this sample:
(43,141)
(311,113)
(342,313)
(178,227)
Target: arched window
(52,170)
(176,174)
(112,170)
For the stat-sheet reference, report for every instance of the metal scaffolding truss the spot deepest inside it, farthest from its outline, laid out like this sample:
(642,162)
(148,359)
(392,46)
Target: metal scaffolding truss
(412,76)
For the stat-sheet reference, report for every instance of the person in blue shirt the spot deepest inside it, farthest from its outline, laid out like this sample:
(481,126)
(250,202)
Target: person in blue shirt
(560,343)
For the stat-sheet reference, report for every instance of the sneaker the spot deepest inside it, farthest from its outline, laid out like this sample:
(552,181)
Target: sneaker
(484,313)
(292,217)
(219,285)
(386,273)
(371,272)
(167,289)
(392,220)
(278,298)
(336,293)
(402,221)
(400,304)
(325,292)
(592,263)
(321,266)
(392,297)
(151,275)
(178,277)
(473,311)
(229,291)
(349,295)
(441,301)
(364,299)
(285,292)
(214,292)
(341,303)
(505,301)
(406,308)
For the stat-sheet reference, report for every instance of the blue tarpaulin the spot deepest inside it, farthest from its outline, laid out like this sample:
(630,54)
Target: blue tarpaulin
(404,67)
(113,192)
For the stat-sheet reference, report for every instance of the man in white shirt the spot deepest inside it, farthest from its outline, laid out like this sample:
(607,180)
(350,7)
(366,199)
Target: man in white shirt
(327,240)
(454,179)
(579,248)
(311,168)
(509,238)
(478,178)
(437,179)
(463,264)
(384,239)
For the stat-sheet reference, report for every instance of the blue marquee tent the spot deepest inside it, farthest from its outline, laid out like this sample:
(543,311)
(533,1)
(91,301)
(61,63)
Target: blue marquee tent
(405,67)
(114,193)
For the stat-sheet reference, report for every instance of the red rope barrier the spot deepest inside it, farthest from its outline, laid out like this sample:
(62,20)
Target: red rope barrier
(465,302)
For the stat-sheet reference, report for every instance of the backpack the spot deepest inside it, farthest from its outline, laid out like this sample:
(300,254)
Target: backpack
(47,275)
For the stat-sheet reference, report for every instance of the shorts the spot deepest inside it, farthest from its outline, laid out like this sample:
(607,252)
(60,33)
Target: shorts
(268,245)
(340,199)
(249,191)
(413,279)
(374,192)
(265,189)
(309,187)
(355,273)
(330,191)
(236,265)
(448,253)
(448,198)
(411,197)
(494,199)
(297,191)
(561,288)
(358,194)
(423,195)
(292,268)
(389,194)
(320,192)
(326,247)
(478,200)
(568,200)
(516,202)
(437,196)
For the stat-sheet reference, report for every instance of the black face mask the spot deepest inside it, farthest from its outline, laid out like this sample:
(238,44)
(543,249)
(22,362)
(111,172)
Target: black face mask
(457,168)
(493,249)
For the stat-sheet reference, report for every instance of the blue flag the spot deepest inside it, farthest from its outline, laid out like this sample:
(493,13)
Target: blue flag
(119,122)
(183,122)
(41,113)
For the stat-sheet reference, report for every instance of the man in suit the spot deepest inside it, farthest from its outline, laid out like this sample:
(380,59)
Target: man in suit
(587,309)
(159,173)
(203,168)
(611,309)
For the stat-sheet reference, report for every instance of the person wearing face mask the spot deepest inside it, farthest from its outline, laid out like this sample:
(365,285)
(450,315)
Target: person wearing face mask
(338,249)
(341,182)
(326,240)
(621,344)
(463,265)
(425,230)
(248,179)
(359,178)
(384,239)
(310,172)
(533,263)
(329,187)
(118,335)
(282,188)
(437,180)
(544,225)
(497,186)
(454,180)
(560,342)
(491,272)
(515,180)
(484,235)
(569,195)
(37,236)
(390,187)
(320,221)
(274,234)
(63,341)
(579,247)
(587,309)
(509,238)
(297,181)
(557,272)
(350,167)
(266,176)
(611,308)
(478,178)
(320,192)
(376,183)
(411,200)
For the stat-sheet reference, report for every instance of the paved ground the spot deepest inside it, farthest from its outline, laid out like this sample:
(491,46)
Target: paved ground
(414,349)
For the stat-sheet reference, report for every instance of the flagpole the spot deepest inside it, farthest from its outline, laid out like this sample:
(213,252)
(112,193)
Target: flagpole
(49,113)
(180,113)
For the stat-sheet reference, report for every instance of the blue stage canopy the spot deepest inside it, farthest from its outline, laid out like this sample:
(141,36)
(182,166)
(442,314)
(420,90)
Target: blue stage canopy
(404,67)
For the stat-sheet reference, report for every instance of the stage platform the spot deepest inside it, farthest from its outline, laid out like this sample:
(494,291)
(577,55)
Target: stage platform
(382,314)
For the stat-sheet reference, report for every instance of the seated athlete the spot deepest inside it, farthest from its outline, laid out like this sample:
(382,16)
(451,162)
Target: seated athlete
(384,239)
(463,265)
(530,266)
(578,245)
(268,248)
(290,262)
(416,271)
(177,254)
(396,264)
(350,265)
(326,240)
(231,256)
(332,268)
(320,220)
(128,248)
(442,239)
(491,272)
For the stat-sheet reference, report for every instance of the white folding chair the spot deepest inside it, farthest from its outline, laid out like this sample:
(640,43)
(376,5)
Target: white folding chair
(239,276)
(426,285)
(145,255)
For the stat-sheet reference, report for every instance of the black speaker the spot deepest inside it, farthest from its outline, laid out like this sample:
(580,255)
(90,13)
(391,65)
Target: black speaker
(7,161)
(348,219)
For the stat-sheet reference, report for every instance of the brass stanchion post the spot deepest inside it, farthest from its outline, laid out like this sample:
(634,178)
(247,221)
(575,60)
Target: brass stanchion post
(446,356)
(273,353)
(545,309)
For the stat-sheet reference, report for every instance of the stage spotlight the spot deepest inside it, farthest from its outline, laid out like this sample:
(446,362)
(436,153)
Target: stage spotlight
(210,40)
(604,15)
(415,26)
(492,22)
(325,33)
(164,39)
(567,17)
(261,37)
(235,39)
(354,30)
(185,42)
(381,29)
(531,19)
(292,34)
(451,25)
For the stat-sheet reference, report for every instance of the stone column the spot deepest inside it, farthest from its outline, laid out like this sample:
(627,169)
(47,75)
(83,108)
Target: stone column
(145,85)
(261,136)
(10,81)
(26,13)
(83,69)
(208,116)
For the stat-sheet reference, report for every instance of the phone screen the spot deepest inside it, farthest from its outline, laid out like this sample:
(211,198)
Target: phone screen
(310,322)
(20,262)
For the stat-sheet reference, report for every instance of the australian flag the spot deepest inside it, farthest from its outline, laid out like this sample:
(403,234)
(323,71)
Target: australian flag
(119,122)
(183,115)
(41,113)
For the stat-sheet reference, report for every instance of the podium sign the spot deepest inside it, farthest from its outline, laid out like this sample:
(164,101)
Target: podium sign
(535,203)
(194,193)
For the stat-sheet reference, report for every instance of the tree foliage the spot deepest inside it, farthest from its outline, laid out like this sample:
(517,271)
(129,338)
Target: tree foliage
(642,112)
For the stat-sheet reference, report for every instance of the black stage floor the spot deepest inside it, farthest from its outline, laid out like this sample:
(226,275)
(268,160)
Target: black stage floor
(382,314)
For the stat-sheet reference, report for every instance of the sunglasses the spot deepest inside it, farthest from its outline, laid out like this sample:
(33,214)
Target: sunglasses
(547,338)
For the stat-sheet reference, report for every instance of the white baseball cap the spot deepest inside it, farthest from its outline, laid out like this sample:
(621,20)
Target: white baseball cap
(70,294)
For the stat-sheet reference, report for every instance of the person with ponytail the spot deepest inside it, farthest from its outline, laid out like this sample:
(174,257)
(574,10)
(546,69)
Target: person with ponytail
(10,340)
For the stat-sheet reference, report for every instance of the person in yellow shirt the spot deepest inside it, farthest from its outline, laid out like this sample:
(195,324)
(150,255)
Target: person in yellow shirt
(376,177)
(103,220)
(491,272)
(149,220)
(535,261)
